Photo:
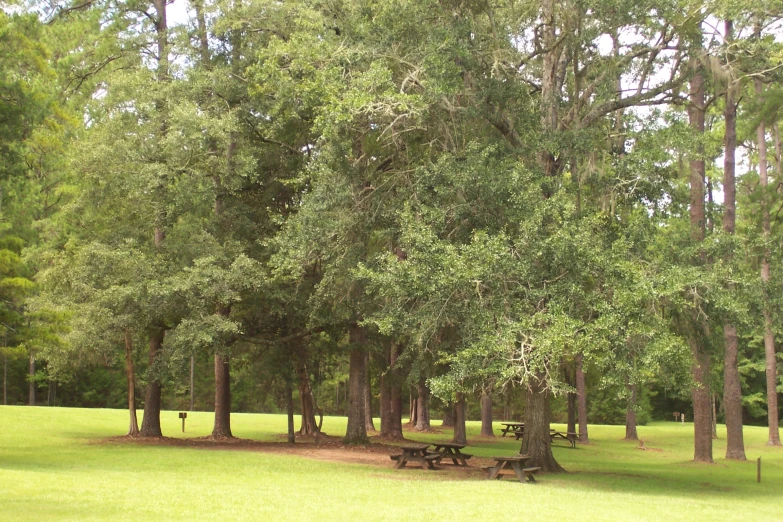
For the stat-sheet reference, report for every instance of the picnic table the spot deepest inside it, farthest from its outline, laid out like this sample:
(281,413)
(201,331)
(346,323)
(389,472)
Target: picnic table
(517,428)
(569,436)
(514,463)
(451,450)
(416,453)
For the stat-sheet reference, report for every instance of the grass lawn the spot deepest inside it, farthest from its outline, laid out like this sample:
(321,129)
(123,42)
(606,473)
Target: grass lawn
(53,466)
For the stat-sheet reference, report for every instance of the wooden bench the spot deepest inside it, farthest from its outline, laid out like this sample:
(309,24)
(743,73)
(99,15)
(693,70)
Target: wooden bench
(529,472)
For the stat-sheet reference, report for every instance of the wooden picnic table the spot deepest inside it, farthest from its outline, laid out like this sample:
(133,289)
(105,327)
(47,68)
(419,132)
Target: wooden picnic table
(569,436)
(451,450)
(513,427)
(515,463)
(416,453)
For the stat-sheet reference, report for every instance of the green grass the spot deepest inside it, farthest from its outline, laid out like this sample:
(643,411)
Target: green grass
(52,467)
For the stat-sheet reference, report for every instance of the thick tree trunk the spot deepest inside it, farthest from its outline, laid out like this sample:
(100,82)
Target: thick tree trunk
(391,397)
(537,442)
(307,406)
(368,422)
(702,409)
(133,430)
(355,432)
(630,415)
(222,426)
(701,392)
(31,381)
(150,423)
(460,431)
(581,400)
(769,336)
(486,414)
(732,388)
(448,416)
(423,408)
(395,414)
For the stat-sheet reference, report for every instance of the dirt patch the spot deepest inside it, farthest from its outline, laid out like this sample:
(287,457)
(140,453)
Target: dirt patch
(328,449)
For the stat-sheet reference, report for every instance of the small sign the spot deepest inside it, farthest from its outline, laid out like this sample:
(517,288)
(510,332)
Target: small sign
(183,415)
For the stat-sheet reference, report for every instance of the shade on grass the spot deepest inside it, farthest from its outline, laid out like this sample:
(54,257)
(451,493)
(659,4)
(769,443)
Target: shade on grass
(52,467)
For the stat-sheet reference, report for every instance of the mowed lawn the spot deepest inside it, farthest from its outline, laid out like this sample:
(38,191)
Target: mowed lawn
(53,466)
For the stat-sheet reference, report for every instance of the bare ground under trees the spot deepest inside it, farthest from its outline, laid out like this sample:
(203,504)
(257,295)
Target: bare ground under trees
(329,448)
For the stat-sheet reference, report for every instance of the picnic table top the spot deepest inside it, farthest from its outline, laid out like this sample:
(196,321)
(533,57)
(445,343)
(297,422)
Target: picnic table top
(513,458)
(454,445)
(512,423)
(414,447)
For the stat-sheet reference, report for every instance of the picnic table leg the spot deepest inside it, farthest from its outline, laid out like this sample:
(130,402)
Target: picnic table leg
(453,456)
(459,457)
(423,462)
(401,462)
(518,470)
(493,473)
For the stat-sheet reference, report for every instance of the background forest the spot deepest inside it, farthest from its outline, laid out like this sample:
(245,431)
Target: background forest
(527,209)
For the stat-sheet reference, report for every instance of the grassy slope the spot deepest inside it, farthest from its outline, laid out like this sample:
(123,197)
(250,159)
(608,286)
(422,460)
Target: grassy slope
(52,469)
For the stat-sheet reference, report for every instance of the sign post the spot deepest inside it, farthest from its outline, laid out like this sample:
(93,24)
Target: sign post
(183,415)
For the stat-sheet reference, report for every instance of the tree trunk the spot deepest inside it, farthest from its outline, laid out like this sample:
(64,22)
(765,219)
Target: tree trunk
(384,394)
(702,409)
(581,400)
(31,381)
(192,383)
(486,414)
(150,423)
(423,408)
(355,432)
(714,417)
(133,430)
(222,426)
(307,406)
(769,336)
(701,392)
(289,403)
(630,415)
(570,401)
(413,408)
(460,432)
(732,388)
(448,416)
(368,422)
(391,397)
(537,442)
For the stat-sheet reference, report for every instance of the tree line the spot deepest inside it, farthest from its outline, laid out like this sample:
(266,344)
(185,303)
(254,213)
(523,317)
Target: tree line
(441,199)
